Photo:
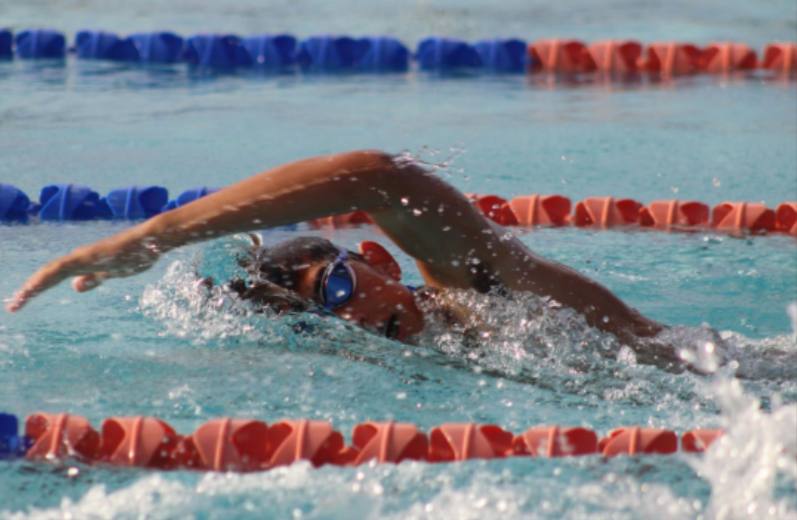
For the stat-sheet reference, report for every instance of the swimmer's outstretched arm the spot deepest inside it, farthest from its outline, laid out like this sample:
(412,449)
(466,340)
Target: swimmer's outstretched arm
(453,244)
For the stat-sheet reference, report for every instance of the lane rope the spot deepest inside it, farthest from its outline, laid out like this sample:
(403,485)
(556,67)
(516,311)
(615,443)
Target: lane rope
(228,52)
(69,202)
(250,445)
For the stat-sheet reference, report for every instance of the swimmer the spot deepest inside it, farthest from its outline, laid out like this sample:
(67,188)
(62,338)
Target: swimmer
(453,244)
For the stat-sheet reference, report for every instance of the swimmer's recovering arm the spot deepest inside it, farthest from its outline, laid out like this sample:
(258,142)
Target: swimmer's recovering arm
(453,244)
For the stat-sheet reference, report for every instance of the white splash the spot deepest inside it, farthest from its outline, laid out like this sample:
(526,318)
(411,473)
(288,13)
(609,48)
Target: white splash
(754,464)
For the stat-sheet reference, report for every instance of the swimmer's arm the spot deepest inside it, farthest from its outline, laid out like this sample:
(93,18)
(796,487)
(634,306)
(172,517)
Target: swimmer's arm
(295,192)
(454,245)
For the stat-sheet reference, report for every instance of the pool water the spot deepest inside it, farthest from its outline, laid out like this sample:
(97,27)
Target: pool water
(154,345)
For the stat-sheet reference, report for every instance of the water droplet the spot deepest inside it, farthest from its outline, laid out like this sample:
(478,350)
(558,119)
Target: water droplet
(455,263)
(446,228)
(674,189)
(404,201)
(417,212)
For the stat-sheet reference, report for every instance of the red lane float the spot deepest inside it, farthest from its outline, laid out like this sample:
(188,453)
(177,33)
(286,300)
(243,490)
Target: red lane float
(616,56)
(606,212)
(555,441)
(140,441)
(536,210)
(786,218)
(781,57)
(56,436)
(667,213)
(743,216)
(721,58)
(493,207)
(464,441)
(671,58)
(698,441)
(226,445)
(291,441)
(636,440)
(555,55)
(387,442)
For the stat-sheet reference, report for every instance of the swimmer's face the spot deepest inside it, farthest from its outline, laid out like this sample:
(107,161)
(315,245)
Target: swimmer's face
(379,304)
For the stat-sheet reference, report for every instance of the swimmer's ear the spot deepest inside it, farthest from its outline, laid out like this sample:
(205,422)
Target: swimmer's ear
(377,257)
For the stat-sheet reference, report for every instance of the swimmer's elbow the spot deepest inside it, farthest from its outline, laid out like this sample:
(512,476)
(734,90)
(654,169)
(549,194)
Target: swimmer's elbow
(372,159)
(381,169)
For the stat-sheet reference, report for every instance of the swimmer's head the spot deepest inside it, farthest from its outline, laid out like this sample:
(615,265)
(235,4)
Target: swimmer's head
(307,273)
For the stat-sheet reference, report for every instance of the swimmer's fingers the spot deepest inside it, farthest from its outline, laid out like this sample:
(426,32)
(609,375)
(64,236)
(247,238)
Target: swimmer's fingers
(48,276)
(83,263)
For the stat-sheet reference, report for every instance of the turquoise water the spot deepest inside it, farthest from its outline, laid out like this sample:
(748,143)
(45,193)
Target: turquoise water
(150,345)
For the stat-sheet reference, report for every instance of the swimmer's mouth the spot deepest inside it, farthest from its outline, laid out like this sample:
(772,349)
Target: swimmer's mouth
(392,329)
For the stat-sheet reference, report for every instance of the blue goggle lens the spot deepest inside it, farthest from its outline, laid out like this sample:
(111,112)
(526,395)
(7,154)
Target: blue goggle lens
(338,286)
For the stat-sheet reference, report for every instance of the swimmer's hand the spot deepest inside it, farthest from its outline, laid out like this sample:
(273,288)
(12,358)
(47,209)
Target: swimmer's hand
(122,255)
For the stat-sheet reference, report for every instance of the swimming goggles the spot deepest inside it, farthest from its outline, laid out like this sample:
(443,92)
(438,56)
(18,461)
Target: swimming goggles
(337,283)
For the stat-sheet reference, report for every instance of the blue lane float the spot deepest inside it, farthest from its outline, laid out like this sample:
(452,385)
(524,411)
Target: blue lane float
(40,43)
(133,202)
(12,444)
(502,55)
(269,51)
(158,47)
(213,51)
(189,196)
(445,54)
(331,53)
(14,204)
(6,38)
(63,202)
(385,54)
(101,45)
